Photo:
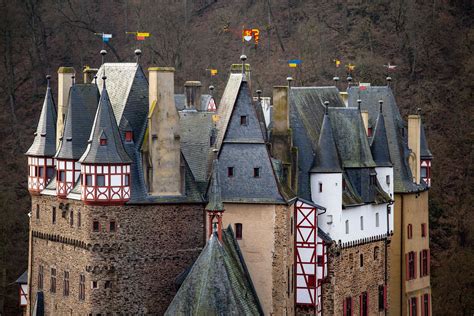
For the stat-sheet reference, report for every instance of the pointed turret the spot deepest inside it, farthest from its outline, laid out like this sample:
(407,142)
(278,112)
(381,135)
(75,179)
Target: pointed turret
(425,157)
(379,144)
(40,154)
(215,207)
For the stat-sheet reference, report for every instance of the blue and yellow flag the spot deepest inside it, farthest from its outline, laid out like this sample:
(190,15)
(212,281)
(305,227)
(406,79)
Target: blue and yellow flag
(293,63)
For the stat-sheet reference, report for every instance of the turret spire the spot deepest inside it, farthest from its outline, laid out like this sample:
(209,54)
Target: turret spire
(379,144)
(215,207)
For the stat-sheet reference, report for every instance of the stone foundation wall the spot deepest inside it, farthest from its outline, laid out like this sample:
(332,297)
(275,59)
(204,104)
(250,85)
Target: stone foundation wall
(151,246)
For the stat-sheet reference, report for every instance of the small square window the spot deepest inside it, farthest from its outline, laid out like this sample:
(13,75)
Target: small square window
(108,284)
(311,280)
(129,136)
(423,230)
(94,285)
(256,172)
(88,180)
(230,172)
(103,141)
(100,180)
(243,120)
(95,226)
(112,226)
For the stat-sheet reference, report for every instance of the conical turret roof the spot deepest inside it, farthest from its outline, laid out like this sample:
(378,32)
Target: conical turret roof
(326,159)
(105,124)
(214,192)
(379,144)
(44,144)
(425,152)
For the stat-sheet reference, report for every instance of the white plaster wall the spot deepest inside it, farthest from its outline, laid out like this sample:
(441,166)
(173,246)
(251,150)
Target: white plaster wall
(368,212)
(382,173)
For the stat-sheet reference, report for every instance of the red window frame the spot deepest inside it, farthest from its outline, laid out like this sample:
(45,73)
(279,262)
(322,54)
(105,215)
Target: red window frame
(103,141)
(424,262)
(425,304)
(347,306)
(413,306)
(423,230)
(410,265)
(364,296)
(409,231)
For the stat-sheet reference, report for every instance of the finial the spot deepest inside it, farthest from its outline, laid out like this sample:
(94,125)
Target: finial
(349,79)
(48,78)
(326,107)
(138,53)
(336,78)
(211,89)
(418,111)
(95,78)
(289,79)
(359,101)
(73,79)
(381,104)
(243,58)
(103,52)
(259,94)
(389,80)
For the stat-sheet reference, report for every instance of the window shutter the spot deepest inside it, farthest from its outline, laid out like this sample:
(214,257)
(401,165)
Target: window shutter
(407,271)
(360,304)
(414,265)
(421,264)
(344,306)
(429,303)
(422,303)
(428,259)
(416,303)
(409,307)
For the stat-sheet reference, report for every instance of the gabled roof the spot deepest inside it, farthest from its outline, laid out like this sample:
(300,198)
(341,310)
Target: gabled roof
(23,278)
(218,283)
(379,143)
(326,159)
(214,191)
(396,132)
(351,138)
(105,125)
(82,107)
(44,144)
(425,152)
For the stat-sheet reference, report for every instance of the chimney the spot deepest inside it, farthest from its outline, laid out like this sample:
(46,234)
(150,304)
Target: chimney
(167,176)
(414,130)
(345,97)
(89,74)
(192,91)
(281,112)
(365,119)
(237,69)
(65,78)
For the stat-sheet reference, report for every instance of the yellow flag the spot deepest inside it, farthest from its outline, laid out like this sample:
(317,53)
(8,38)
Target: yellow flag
(338,62)
(350,67)
(215,118)
(142,34)
(213,72)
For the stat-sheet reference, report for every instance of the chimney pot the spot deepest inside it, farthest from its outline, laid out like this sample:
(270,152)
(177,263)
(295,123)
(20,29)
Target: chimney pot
(192,91)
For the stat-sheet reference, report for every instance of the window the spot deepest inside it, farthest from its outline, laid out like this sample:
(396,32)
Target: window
(423,230)
(108,284)
(364,304)
(369,131)
(424,172)
(230,172)
(79,219)
(71,219)
(256,172)
(424,262)
(311,280)
(41,172)
(377,221)
(238,231)
(413,306)
(100,180)
(347,226)
(320,261)
(411,265)
(409,231)
(88,180)
(52,288)
(376,252)
(291,225)
(347,307)
(387,180)
(103,141)
(372,179)
(362,223)
(37,211)
(54,215)
(128,136)
(426,305)
(62,176)
(49,172)
(94,285)
(288,282)
(66,283)
(382,297)
(95,226)
(320,187)
(329,219)
(40,277)
(243,120)
(82,287)
(126,180)
(112,226)
(361,260)
(344,185)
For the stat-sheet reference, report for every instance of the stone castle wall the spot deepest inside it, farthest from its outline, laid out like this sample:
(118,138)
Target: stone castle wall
(139,262)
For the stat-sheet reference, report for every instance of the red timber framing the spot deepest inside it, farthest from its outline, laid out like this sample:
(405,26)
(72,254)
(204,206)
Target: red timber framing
(40,172)
(426,171)
(67,173)
(310,256)
(23,288)
(211,106)
(105,184)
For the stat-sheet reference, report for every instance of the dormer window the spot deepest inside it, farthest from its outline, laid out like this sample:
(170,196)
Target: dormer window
(369,131)
(256,172)
(103,141)
(230,172)
(128,136)
(244,120)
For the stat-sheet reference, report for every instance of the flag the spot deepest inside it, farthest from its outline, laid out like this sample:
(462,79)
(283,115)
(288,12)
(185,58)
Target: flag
(106,37)
(213,72)
(256,35)
(337,62)
(390,67)
(293,63)
(247,35)
(215,118)
(141,36)
(350,67)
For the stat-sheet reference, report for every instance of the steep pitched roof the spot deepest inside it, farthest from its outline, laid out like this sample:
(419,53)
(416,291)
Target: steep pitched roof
(214,192)
(218,283)
(379,143)
(105,127)
(396,132)
(82,106)
(44,144)
(326,159)
(351,138)
(243,149)
(425,152)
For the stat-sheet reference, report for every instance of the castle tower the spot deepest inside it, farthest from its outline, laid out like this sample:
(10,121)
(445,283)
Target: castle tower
(41,153)
(105,165)
(65,81)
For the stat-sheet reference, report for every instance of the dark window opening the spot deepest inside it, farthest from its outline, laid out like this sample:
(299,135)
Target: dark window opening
(66,283)
(103,141)
(52,288)
(49,172)
(256,172)
(112,226)
(364,304)
(424,263)
(238,231)
(369,131)
(381,297)
(40,277)
(311,280)
(243,120)
(413,306)
(424,172)
(54,215)
(409,231)
(108,284)
(426,305)
(37,211)
(71,219)
(41,172)
(320,187)
(423,230)
(129,136)
(320,261)
(127,180)
(344,185)
(62,176)
(95,226)
(88,180)
(348,306)
(361,260)
(82,287)
(411,265)
(78,219)
(95,285)
(100,180)
(230,172)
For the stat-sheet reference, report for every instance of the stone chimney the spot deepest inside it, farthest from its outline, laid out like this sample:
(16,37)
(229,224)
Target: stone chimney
(89,74)
(345,97)
(365,119)
(65,81)
(167,176)
(281,112)
(192,91)
(414,130)
(237,69)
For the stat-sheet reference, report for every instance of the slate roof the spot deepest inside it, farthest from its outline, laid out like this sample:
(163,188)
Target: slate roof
(105,127)
(425,152)
(180,102)
(306,117)
(379,142)
(44,144)
(82,107)
(326,159)
(396,132)
(214,193)
(23,278)
(243,148)
(218,283)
